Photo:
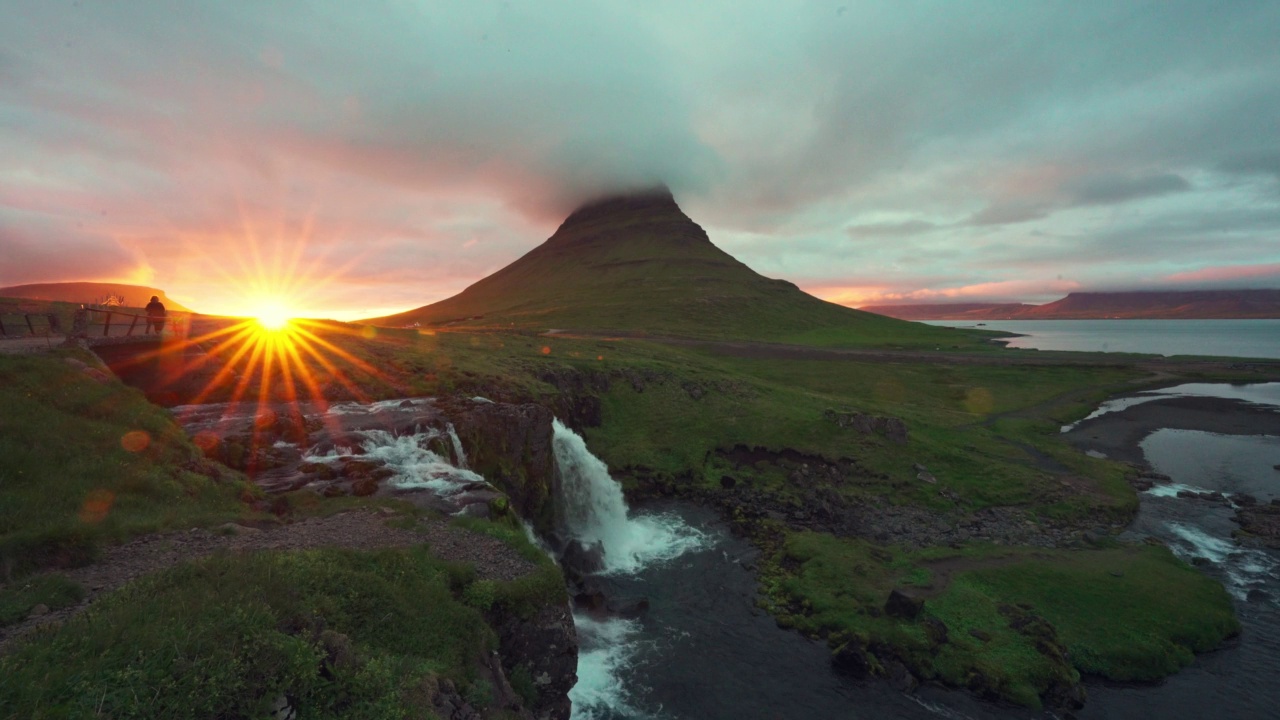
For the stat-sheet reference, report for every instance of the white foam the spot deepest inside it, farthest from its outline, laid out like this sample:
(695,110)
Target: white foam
(1172,489)
(359,408)
(414,465)
(596,512)
(1243,567)
(607,648)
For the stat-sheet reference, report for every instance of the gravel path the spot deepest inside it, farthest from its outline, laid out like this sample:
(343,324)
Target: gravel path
(357,530)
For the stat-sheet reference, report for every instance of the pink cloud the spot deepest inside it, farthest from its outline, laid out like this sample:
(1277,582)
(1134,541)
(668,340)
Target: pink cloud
(1227,273)
(1001,291)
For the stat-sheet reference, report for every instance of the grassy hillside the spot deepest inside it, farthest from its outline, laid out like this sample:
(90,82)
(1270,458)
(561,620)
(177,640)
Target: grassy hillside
(85,460)
(639,265)
(89,292)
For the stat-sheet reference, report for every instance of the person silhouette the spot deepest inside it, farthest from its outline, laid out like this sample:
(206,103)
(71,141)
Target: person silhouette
(155,315)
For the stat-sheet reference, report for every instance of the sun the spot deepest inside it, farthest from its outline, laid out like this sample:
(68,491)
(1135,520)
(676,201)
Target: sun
(274,317)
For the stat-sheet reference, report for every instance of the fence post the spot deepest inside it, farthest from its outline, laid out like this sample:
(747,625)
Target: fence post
(106,327)
(80,323)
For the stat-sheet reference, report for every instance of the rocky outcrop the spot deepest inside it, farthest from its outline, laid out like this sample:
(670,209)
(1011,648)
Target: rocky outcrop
(890,428)
(543,649)
(510,445)
(1259,524)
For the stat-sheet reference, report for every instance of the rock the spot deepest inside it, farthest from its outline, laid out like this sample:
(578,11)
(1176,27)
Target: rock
(935,630)
(339,654)
(590,600)
(282,709)
(728,482)
(1244,499)
(240,529)
(546,646)
(363,487)
(927,477)
(578,559)
(981,635)
(891,428)
(406,404)
(851,659)
(902,605)
(39,610)
(899,677)
(511,447)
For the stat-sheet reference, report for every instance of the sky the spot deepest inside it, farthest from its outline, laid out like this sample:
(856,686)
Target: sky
(362,158)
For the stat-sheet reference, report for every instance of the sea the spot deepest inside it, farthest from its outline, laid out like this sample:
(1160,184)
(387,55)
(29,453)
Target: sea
(1219,338)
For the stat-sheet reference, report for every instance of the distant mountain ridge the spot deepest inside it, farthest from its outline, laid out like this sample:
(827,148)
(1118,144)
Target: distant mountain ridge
(637,264)
(90,292)
(1157,304)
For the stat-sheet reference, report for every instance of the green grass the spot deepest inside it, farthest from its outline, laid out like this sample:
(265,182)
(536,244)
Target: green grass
(342,634)
(1126,614)
(67,481)
(53,591)
(1121,612)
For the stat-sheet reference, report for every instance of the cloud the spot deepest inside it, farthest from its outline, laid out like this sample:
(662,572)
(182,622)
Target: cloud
(429,144)
(1229,276)
(1112,189)
(890,229)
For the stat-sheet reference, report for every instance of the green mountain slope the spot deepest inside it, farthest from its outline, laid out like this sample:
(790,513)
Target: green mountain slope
(638,264)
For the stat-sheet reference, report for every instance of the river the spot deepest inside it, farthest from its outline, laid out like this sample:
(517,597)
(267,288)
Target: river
(1223,338)
(703,651)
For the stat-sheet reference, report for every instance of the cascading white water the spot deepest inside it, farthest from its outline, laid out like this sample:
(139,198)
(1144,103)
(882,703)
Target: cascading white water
(607,647)
(458,452)
(409,456)
(596,512)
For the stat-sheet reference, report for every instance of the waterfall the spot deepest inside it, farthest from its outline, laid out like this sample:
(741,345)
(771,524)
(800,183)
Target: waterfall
(408,456)
(457,448)
(595,511)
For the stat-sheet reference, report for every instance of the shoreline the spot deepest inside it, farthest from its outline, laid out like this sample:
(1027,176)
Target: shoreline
(1118,434)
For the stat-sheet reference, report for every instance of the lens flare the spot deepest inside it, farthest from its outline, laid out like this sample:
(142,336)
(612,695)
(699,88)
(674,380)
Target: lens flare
(274,317)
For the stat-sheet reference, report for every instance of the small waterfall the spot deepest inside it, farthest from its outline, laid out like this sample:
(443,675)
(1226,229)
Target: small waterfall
(457,448)
(409,456)
(596,512)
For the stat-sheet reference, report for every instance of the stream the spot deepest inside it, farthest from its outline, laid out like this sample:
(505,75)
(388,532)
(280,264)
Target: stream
(700,649)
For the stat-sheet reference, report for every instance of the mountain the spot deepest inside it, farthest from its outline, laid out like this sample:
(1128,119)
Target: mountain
(637,264)
(90,292)
(1168,305)
(951,311)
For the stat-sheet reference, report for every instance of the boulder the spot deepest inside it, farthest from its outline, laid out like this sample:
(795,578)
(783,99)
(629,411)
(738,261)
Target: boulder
(891,428)
(902,605)
(851,659)
(578,559)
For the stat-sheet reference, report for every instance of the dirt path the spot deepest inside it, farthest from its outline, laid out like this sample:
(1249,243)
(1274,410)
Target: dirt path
(357,530)
(27,345)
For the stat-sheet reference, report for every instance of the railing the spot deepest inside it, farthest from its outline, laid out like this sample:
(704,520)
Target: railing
(125,322)
(37,324)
